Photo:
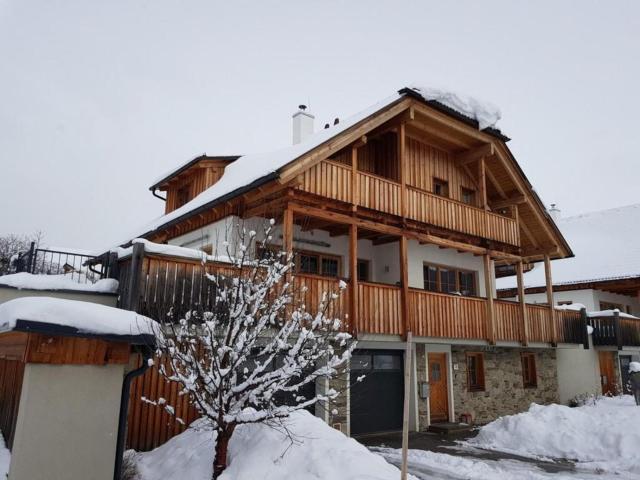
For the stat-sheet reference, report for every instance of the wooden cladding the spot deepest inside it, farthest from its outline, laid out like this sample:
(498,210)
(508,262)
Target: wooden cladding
(333,180)
(11,375)
(379,309)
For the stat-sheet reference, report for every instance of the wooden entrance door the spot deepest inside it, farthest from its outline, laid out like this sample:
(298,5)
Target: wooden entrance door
(607,373)
(438,387)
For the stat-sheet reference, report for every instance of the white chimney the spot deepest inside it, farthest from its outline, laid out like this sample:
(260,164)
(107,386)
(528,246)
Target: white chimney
(302,124)
(554,211)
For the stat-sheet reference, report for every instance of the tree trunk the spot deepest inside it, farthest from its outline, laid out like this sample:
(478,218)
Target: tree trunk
(222,445)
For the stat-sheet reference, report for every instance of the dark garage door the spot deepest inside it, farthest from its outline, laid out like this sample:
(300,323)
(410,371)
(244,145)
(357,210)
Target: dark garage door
(376,402)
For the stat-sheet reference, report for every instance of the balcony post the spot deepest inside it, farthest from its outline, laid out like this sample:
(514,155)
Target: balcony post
(287,231)
(403,169)
(355,183)
(488,285)
(617,330)
(550,300)
(584,323)
(353,274)
(404,283)
(523,304)
(482,183)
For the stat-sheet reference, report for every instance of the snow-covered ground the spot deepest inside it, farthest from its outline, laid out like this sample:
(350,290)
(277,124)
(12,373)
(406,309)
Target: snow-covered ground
(29,281)
(5,459)
(604,435)
(267,453)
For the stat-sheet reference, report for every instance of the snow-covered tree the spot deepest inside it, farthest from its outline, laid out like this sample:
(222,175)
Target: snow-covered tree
(248,360)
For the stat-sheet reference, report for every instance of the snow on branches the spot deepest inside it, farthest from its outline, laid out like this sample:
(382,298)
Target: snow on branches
(250,359)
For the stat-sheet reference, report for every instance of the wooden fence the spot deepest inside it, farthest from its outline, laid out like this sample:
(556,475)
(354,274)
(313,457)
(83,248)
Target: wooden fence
(11,375)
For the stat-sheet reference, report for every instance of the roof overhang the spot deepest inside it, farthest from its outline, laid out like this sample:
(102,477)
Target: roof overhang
(622,285)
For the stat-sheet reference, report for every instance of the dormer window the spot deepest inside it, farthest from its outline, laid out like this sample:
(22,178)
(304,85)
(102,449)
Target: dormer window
(440,187)
(182,196)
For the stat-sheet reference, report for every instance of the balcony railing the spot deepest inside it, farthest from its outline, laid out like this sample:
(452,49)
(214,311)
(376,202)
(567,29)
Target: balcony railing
(334,180)
(615,331)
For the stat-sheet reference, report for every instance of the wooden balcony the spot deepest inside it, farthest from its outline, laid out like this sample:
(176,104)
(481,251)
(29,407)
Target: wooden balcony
(335,180)
(615,331)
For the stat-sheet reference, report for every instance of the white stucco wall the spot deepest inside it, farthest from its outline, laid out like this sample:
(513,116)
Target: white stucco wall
(67,422)
(578,372)
(589,298)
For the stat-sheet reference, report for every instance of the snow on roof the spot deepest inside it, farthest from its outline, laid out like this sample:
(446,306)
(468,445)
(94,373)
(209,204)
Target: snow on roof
(188,163)
(29,281)
(172,251)
(251,168)
(86,317)
(605,244)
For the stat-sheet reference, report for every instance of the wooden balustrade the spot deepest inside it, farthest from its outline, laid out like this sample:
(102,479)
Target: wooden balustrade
(508,321)
(329,179)
(539,317)
(450,316)
(378,193)
(311,289)
(570,326)
(379,309)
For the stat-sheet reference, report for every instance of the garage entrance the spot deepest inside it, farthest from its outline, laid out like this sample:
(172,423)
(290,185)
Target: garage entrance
(377,401)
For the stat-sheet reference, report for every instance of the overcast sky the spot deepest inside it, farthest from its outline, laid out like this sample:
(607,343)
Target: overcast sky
(100,98)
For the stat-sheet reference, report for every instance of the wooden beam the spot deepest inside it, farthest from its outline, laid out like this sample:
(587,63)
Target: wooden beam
(470,156)
(353,274)
(488,285)
(355,184)
(495,184)
(287,230)
(482,184)
(508,202)
(403,169)
(523,304)
(404,285)
(440,135)
(550,300)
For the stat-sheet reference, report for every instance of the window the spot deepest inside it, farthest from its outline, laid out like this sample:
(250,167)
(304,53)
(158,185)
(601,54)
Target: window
(475,372)
(468,196)
(387,362)
(363,270)
(611,306)
(529,377)
(565,302)
(449,280)
(317,264)
(441,187)
(182,195)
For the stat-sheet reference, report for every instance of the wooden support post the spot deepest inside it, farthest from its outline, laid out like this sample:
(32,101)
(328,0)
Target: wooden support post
(616,328)
(408,357)
(404,283)
(584,322)
(482,183)
(287,230)
(523,305)
(355,183)
(403,169)
(353,273)
(489,272)
(135,274)
(550,300)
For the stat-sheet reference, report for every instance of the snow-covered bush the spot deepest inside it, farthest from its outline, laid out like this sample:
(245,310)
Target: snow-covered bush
(248,359)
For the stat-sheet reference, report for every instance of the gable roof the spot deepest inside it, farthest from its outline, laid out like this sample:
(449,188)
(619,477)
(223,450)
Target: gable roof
(605,244)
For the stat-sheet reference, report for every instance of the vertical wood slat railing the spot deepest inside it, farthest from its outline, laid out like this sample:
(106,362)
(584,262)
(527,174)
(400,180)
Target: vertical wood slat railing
(570,326)
(11,375)
(379,309)
(539,317)
(508,321)
(333,180)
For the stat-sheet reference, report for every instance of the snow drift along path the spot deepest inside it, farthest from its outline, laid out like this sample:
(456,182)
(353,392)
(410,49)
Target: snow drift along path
(265,453)
(602,436)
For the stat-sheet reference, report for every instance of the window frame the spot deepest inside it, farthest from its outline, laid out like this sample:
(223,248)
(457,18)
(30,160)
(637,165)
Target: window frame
(443,183)
(320,256)
(474,201)
(457,271)
(529,370)
(363,261)
(480,385)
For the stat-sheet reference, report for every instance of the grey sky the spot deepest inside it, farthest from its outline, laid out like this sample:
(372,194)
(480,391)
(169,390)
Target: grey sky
(99,98)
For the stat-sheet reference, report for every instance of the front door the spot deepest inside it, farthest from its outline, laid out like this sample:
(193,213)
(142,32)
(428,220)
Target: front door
(438,387)
(607,373)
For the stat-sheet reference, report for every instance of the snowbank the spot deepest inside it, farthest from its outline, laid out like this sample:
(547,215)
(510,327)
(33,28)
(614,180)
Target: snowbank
(606,435)
(85,316)
(634,366)
(265,453)
(5,458)
(30,281)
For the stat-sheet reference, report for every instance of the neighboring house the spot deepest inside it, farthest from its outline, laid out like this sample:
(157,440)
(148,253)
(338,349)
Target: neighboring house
(604,275)
(413,202)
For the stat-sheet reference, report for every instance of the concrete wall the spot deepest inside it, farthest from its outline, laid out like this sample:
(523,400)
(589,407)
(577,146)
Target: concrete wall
(578,372)
(9,293)
(67,423)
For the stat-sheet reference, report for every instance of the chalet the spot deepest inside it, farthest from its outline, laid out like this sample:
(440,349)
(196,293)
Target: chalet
(604,277)
(414,203)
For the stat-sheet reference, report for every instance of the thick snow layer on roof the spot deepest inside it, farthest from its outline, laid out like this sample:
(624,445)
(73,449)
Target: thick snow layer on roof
(259,451)
(87,317)
(611,313)
(485,113)
(172,251)
(29,281)
(605,244)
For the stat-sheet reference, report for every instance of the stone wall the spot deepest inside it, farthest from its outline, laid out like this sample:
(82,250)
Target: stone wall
(421,376)
(504,392)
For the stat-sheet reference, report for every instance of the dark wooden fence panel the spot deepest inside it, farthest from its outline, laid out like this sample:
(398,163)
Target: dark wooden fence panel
(11,374)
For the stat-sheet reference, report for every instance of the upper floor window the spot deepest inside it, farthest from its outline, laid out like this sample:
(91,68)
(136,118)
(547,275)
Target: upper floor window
(440,187)
(183,195)
(475,371)
(318,264)
(565,302)
(449,280)
(468,196)
(363,270)
(529,376)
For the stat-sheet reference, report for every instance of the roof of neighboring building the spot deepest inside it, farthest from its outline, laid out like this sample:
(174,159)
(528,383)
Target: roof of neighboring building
(606,248)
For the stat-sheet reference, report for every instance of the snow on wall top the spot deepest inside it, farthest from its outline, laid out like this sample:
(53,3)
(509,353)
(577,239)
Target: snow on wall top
(29,281)
(250,168)
(87,317)
(605,244)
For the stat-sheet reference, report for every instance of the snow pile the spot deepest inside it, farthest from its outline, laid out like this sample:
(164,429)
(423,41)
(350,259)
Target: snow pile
(611,313)
(85,316)
(604,436)
(572,307)
(258,451)
(5,458)
(485,113)
(173,251)
(634,367)
(30,281)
